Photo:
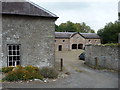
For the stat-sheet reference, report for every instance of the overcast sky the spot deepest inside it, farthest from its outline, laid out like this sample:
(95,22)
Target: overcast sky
(95,13)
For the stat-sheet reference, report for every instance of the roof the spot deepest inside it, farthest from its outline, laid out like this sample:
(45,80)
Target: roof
(25,8)
(63,34)
(70,34)
(90,35)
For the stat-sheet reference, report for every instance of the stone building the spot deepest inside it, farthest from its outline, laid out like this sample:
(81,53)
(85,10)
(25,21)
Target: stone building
(27,35)
(65,41)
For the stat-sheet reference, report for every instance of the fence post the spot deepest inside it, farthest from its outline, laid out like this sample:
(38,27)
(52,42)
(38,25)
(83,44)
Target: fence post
(61,65)
(96,62)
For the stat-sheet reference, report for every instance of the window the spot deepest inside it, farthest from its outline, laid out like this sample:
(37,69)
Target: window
(63,40)
(13,55)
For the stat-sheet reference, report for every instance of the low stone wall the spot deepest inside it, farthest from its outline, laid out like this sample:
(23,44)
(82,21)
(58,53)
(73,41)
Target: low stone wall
(104,56)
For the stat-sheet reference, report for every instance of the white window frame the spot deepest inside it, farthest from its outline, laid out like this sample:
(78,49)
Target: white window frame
(15,54)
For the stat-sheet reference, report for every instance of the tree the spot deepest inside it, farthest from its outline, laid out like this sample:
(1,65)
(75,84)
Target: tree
(109,33)
(73,27)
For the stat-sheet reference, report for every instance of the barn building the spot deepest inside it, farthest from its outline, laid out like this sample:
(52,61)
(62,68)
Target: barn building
(66,41)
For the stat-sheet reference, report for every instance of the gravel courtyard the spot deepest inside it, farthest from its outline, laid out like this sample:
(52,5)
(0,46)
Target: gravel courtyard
(81,76)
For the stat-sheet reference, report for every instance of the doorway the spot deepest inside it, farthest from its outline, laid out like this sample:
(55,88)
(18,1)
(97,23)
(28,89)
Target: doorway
(80,46)
(60,48)
(74,46)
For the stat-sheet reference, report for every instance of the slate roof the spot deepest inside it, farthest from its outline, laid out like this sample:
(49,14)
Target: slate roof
(63,34)
(70,34)
(25,8)
(90,35)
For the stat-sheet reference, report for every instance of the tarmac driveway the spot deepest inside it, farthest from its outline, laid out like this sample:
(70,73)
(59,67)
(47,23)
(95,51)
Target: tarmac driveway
(81,76)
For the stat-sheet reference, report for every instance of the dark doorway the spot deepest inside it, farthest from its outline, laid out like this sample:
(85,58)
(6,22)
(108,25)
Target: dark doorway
(80,46)
(74,46)
(60,47)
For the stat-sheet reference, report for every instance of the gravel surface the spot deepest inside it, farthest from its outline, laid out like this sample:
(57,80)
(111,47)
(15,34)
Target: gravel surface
(81,75)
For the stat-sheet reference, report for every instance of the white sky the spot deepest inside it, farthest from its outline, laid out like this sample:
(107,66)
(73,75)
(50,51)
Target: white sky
(95,13)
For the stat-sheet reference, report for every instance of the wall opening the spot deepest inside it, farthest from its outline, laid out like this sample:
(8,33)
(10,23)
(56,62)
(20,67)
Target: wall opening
(60,48)
(13,57)
(74,46)
(80,46)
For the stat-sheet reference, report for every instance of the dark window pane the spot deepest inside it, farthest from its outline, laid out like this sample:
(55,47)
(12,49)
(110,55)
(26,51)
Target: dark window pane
(13,63)
(14,52)
(14,58)
(10,47)
(18,57)
(18,53)
(10,58)
(18,48)
(18,63)
(10,63)
(10,52)
(14,47)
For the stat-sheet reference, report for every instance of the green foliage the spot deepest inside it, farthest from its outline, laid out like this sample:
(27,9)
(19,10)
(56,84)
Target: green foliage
(7,69)
(31,68)
(23,73)
(48,72)
(73,27)
(112,44)
(29,72)
(17,75)
(109,33)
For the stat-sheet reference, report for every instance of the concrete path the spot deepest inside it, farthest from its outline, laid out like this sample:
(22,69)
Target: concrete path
(81,76)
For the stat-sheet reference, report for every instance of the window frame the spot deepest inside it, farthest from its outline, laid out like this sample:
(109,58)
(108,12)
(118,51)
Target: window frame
(15,56)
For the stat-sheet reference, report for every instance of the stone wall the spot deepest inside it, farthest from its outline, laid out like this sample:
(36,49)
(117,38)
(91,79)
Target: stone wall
(105,56)
(93,41)
(34,34)
(64,42)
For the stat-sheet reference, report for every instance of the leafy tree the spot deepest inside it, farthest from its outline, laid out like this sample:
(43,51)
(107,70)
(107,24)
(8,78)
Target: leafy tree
(73,27)
(109,33)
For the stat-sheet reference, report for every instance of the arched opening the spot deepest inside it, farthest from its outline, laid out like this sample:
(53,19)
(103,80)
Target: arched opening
(80,46)
(74,46)
(60,48)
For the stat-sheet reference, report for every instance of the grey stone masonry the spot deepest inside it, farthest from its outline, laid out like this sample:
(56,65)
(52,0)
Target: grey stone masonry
(35,36)
(104,56)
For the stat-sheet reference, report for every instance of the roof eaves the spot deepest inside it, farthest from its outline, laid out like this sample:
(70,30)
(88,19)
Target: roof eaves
(27,15)
(62,37)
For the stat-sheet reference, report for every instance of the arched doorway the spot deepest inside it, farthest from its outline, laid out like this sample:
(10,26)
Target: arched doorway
(80,46)
(74,46)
